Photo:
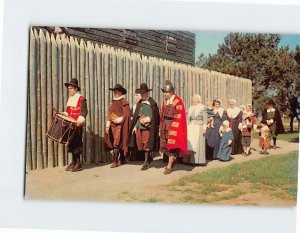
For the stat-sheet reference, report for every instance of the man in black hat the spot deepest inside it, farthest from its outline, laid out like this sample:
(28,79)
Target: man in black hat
(272,116)
(145,126)
(77,109)
(294,106)
(117,126)
(134,154)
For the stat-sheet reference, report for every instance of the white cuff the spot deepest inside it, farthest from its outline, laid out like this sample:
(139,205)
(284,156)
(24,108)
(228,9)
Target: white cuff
(65,113)
(81,119)
(119,120)
(107,124)
(147,120)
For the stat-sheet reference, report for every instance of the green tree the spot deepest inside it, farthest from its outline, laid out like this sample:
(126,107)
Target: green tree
(201,61)
(297,59)
(258,57)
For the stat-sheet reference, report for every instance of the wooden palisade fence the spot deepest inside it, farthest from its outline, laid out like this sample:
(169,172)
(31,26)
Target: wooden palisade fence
(55,60)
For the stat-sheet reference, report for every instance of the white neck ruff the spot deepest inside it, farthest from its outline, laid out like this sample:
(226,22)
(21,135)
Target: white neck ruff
(196,109)
(73,100)
(233,112)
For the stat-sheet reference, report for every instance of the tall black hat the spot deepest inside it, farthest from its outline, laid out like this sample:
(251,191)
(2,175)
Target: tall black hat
(144,88)
(119,88)
(73,82)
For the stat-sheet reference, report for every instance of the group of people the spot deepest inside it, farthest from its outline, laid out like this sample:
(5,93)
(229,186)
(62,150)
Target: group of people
(216,133)
(195,136)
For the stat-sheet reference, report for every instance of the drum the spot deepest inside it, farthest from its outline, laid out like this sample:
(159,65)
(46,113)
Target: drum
(62,128)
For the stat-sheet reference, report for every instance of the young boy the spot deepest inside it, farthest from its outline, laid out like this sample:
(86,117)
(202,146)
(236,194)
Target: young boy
(264,139)
(246,135)
(224,152)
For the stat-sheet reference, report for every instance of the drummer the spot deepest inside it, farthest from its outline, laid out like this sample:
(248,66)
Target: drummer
(77,109)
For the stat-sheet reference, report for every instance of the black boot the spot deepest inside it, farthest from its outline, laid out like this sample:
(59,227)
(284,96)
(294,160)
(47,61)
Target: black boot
(148,160)
(115,158)
(274,141)
(72,164)
(165,158)
(78,166)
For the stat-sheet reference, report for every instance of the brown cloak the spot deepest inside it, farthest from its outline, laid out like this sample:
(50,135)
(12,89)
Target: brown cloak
(124,128)
(154,128)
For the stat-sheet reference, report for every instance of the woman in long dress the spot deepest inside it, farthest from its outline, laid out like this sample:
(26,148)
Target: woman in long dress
(197,121)
(212,135)
(235,118)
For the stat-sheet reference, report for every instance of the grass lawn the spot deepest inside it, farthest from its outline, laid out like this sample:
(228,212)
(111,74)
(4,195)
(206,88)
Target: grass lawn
(267,181)
(291,137)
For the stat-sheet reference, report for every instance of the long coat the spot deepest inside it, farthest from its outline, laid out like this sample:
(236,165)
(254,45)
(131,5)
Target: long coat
(277,118)
(124,129)
(154,128)
(177,135)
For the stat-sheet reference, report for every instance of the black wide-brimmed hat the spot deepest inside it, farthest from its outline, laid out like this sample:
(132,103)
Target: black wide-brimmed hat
(144,88)
(73,82)
(168,87)
(119,88)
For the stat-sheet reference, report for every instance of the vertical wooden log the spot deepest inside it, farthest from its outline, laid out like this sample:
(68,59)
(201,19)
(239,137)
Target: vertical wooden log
(73,61)
(104,100)
(32,90)
(54,88)
(152,74)
(97,103)
(65,78)
(43,64)
(82,62)
(109,83)
(28,134)
(134,71)
(119,68)
(73,57)
(38,132)
(128,71)
(92,96)
(50,145)
(155,79)
(102,110)
(60,94)
(162,80)
(77,51)
(88,121)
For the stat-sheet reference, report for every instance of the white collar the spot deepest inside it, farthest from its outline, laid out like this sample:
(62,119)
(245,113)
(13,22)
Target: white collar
(119,98)
(271,110)
(73,100)
(170,100)
(233,112)
(146,101)
(196,109)
(228,129)
(219,110)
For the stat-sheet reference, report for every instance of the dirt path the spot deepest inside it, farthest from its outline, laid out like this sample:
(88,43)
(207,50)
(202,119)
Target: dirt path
(125,183)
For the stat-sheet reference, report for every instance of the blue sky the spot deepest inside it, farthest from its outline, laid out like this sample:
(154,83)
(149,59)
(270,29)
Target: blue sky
(207,42)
